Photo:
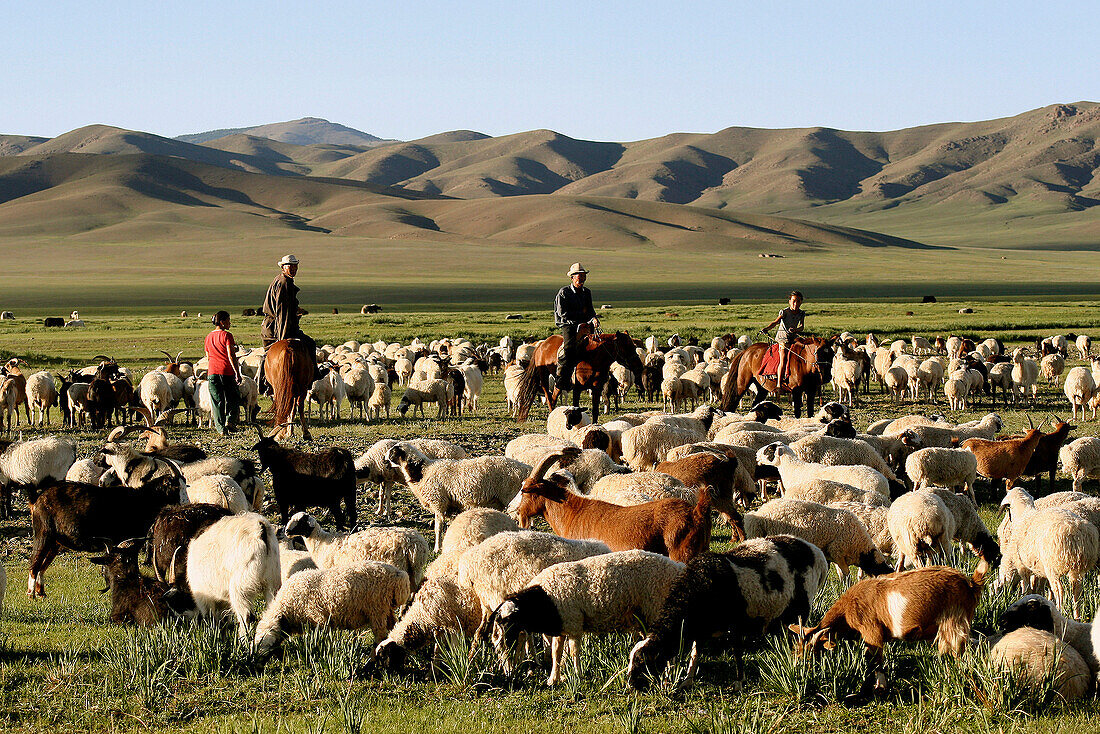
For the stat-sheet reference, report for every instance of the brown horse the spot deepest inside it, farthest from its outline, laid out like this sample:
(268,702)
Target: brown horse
(290,371)
(809,366)
(594,365)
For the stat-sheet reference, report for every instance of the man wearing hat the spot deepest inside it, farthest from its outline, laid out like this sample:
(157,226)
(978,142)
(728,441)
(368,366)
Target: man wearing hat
(572,307)
(281,312)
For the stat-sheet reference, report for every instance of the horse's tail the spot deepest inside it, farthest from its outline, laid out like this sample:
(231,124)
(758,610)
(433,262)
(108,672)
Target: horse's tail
(730,398)
(529,387)
(282,389)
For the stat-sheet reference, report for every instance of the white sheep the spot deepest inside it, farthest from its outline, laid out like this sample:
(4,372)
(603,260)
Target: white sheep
(1052,366)
(840,535)
(359,387)
(471,527)
(846,376)
(1080,389)
(942,435)
(827,492)
(155,393)
(612,592)
(217,489)
(293,557)
(821,449)
(1025,376)
(638,488)
(1084,346)
(1038,656)
(874,518)
(448,486)
(646,445)
(42,394)
(403,548)
(1080,460)
(366,594)
(513,378)
(372,467)
(935,467)
(1053,544)
(929,374)
(34,462)
(896,380)
(920,524)
(793,471)
(230,563)
(506,562)
(956,389)
(329,393)
(85,471)
(473,380)
(1039,612)
(587,468)
(424,391)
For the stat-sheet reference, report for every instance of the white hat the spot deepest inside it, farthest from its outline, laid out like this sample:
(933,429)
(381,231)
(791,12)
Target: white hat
(288,260)
(576,269)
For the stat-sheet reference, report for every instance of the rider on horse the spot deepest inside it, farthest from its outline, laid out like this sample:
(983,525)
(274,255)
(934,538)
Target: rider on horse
(281,317)
(572,308)
(791,321)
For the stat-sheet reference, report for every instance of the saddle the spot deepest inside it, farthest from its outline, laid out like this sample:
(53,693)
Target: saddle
(769,365)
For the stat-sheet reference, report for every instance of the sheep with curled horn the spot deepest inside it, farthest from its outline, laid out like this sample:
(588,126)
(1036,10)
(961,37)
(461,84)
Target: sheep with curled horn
(174,366)
(157,438)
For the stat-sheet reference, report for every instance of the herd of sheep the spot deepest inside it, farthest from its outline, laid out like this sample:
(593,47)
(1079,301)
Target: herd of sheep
(629,503)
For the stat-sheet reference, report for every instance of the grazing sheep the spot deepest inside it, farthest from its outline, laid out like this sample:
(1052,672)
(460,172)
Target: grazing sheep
(379,400)
(920,524)
(1084,346)
(1038,656)
(970,531)
(1080,389)
(420,392)
(403,548)
(742,591)
(827,491)
(935,467)
(874,518)
(944,435)
(472,527)
(448,486)
(372,466)
(611,592)
(627,490)
(293,557)
(1080,460)
(830,451)
(837,532)
(793,471)
(1040,613)
(564,419)
(365,594)
(646,445)
(1025,376)
(1051,543)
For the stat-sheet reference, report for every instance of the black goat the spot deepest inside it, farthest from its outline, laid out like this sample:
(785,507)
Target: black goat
(303,480)
(82,517)
(135,598)
(172,532)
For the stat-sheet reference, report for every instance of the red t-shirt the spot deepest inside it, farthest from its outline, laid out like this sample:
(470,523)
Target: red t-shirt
(217,344)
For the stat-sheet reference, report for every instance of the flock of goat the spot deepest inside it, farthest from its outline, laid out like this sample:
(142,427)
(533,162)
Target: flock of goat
(629,503)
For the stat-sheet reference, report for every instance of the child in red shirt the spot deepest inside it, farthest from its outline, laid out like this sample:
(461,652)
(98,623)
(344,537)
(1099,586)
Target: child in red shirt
(222,375)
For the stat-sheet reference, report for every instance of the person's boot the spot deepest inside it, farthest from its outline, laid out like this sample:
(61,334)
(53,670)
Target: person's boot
(561,379)
(262,385)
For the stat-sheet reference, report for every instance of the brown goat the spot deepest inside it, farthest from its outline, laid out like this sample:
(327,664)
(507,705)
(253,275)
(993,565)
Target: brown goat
(715,473)
(936,602)
(1004,459)
(670,526)
(1044,460)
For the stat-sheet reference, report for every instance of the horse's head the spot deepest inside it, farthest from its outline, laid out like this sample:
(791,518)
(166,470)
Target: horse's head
(821,353)
(626,354)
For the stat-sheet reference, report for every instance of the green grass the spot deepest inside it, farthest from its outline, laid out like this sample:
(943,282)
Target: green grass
(63,667)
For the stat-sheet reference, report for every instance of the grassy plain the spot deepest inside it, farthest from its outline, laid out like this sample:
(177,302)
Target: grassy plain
(63,667)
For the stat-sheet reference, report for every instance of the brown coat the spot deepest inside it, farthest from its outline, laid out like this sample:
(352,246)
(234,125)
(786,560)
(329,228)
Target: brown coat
(280,310)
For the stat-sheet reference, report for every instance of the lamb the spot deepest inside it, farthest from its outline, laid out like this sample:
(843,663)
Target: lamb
(924,604)
(403,548)
(935,467)
(230,563)
(506,562)
(217,489)
(301,479)
(669,526)
(920,524)
(793,471)
(1080,389)
(35,463)
(135,598)
(1038,657)
(1080,460)
(1050,543)
(372,466)
(472,527)
(612,592)
(365,594)
(1040,613)
(837,532)
(425,391)
(742,591)
(448,486)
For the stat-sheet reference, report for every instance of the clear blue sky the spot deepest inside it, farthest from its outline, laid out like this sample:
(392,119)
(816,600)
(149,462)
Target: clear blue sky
(597,70)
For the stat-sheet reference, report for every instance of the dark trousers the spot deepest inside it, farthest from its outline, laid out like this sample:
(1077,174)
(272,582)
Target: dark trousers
(567,357)
(225,400)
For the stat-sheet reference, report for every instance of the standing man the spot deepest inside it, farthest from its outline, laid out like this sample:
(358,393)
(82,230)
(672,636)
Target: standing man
(281,313)
(791,321)
(572,307)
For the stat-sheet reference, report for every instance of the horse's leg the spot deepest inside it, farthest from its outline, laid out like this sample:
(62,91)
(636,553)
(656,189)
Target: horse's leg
(597,391)
(304,420)
(796,398)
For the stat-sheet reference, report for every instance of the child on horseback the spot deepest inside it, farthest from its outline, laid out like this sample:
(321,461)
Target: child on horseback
(790,321)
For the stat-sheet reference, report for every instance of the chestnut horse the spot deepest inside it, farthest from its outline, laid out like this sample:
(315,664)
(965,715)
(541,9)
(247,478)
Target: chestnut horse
(809,366)
(290,371)
(593,367)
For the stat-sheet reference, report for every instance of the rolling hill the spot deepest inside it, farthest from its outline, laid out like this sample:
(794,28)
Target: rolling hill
(306,131)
